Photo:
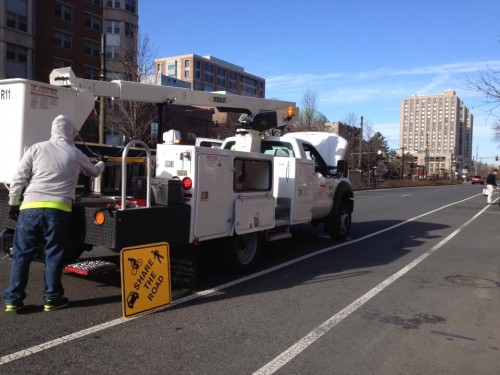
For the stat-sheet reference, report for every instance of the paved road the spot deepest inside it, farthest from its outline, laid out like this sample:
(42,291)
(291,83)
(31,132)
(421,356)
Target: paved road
(415,290)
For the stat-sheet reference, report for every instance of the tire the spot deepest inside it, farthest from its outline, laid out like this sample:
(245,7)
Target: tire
(338,224)
(241,252)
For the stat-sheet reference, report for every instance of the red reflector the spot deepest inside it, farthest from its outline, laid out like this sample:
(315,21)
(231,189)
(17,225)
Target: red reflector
(187,183)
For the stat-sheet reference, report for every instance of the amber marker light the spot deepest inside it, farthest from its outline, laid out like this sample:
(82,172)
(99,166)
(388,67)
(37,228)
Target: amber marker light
(99,217)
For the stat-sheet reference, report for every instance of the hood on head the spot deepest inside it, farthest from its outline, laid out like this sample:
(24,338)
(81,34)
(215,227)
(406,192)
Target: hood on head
(63,128)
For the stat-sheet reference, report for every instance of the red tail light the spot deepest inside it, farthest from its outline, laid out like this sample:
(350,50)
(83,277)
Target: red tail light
(187,183)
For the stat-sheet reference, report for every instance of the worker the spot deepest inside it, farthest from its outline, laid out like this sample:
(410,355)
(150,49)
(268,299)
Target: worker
(48,173)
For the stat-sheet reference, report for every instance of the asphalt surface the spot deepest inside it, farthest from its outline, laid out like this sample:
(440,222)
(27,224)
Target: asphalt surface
(415,290)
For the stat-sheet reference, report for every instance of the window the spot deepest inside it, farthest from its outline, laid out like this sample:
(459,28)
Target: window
(111,76)
(198,70)
(130,5)
(17,61)
(252,175)
(63,40)
(172,69)
(186,68)
(233,79)
(221,77)
(153,133)
(209,73)
(312,154)
(61,63)
(113,27)
(113,4)
(92,22)
(90,73)
(112,52)
(249,86)
(63,11)
(16,14)
(96,2)
(130,30)
(92,48)
(277,148)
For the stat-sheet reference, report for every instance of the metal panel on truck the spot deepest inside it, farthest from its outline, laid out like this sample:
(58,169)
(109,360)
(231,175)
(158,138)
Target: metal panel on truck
(254,214)
(213,191)
(28,109)
(293,180)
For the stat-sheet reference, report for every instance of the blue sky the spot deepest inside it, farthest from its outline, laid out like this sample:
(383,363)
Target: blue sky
(358,56)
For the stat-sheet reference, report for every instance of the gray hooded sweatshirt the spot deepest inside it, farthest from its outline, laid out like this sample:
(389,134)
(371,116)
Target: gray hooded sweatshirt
(49,170)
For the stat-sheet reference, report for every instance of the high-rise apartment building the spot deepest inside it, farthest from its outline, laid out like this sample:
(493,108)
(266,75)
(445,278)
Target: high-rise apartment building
(38,36)
(437,130)
(208,73)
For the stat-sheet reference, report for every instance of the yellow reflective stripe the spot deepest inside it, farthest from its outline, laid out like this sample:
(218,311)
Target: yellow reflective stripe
(56,205)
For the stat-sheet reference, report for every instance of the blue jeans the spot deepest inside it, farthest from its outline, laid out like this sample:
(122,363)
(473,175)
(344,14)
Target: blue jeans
(45,227)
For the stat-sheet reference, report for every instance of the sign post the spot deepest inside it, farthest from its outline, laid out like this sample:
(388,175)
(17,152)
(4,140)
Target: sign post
(145,274)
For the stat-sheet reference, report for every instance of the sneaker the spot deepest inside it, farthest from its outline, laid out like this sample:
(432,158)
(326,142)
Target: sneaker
(14,306)
(55,304)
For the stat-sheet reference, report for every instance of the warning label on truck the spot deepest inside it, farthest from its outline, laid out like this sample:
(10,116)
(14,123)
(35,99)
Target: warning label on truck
(145,272)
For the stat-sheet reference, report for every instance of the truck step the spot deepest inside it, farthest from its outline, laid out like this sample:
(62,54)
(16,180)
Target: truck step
(91,267)
(279,234)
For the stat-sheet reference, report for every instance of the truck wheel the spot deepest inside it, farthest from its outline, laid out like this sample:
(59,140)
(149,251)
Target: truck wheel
(338,224)
(241,252)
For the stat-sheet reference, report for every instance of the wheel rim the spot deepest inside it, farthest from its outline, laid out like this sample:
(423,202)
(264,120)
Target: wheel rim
(246,247)
(345,222)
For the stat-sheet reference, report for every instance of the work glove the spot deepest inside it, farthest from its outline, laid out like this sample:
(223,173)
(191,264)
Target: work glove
(14,212)
(100,165)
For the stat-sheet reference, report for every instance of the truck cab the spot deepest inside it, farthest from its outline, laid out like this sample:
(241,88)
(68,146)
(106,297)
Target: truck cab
(322,180)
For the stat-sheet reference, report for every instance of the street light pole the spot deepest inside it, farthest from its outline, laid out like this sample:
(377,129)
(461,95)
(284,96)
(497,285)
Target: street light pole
(403,162)
(360,142)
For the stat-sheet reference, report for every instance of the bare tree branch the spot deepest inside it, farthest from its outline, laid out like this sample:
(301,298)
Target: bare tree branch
(488,84)
(132,120)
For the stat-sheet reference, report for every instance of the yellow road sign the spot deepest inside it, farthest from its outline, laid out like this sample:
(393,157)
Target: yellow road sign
(145,273)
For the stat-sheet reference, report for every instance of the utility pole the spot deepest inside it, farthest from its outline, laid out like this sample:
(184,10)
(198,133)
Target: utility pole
(360,143)
(102,76)
(403,163)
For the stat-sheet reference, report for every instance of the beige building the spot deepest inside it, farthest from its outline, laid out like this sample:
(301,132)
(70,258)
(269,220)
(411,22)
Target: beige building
(437,131)
(208,73)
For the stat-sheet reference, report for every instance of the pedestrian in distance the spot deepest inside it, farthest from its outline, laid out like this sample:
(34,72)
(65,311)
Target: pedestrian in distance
(48,174)
(491,185)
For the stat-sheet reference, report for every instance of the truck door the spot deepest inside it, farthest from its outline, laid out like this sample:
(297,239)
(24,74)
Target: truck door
(214,186)
(323,184)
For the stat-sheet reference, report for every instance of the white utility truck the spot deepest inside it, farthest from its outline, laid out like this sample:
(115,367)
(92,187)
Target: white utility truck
(253,188)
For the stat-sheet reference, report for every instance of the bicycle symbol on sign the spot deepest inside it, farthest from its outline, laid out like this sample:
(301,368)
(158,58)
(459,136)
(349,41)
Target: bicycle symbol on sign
(135,264)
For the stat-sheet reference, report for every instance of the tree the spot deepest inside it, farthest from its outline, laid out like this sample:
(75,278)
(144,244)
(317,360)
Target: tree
(352,133)
(309,116)
(132,120)
(488,84)
(308,109)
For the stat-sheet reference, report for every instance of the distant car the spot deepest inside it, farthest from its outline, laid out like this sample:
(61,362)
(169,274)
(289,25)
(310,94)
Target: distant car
(477,180)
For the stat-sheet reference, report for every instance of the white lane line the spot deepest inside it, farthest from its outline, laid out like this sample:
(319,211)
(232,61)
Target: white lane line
(76,335)
(285,357)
